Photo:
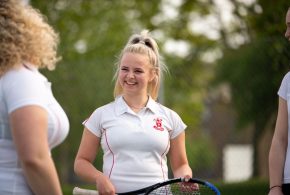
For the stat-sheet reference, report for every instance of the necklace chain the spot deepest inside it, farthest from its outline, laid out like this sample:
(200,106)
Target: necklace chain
(139,108)
(135,107)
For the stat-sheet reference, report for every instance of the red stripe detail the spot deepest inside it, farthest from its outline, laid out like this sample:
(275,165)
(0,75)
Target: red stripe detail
(162,158)
(110,151)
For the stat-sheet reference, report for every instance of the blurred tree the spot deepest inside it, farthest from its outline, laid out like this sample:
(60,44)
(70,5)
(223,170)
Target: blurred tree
(255,68)
(186,84)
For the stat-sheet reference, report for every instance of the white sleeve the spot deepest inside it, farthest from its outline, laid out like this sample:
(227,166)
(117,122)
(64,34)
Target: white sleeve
(24,87)
(283,90)
(177,125)
(93,123)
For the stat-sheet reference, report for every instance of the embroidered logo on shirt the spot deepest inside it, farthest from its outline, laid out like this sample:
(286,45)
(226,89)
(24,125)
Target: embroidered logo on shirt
(158,124)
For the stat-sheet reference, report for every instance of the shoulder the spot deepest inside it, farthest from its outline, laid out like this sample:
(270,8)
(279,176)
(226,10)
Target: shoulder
(25,80)
(23,86)
(162,108)
(175,122)
(105,109)
(98,116)
(285,81)
(284,86)
(159,108)
(23,74)
(287,76)
(166,111)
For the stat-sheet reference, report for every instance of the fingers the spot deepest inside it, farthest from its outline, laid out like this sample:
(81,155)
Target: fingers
(187,178)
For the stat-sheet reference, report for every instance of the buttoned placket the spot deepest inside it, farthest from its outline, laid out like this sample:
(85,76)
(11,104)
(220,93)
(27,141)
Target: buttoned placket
(140,116)
(136,118)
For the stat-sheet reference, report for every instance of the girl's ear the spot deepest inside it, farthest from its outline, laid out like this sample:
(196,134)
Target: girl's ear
(153,75)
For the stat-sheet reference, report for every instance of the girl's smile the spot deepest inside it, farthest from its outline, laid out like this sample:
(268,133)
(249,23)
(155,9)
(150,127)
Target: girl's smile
(135,73)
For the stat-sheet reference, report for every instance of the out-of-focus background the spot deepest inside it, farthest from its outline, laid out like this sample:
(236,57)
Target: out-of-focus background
(226,60)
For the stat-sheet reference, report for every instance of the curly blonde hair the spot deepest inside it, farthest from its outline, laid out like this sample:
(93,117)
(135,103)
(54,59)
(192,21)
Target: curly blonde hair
(25,36)
(143,44)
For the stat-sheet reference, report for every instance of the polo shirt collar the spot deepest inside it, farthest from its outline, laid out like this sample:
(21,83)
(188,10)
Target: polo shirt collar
(152,105)
(122,107)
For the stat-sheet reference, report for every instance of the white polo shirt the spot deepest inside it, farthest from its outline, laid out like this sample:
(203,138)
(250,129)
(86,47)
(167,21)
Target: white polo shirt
(18,88)
(284,92)
(135,145)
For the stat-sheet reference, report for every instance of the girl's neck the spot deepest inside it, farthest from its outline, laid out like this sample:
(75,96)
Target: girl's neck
(136,103)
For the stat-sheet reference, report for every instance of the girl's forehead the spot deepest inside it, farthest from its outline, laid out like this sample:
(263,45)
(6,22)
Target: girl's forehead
(135,57)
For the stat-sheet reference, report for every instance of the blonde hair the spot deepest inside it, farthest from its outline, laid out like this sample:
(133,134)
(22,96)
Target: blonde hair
(25,36)
(143,44)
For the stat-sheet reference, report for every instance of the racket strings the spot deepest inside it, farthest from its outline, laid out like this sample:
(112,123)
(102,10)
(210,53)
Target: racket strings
(183,189)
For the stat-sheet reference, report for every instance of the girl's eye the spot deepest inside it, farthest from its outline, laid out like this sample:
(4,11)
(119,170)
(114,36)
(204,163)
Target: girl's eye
(124,69)
(138,71)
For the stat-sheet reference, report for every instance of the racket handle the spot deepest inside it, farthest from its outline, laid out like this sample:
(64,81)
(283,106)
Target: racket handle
(80,191)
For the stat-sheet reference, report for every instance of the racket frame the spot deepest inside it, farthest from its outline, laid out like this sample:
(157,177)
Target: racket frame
(149,189)
(177,180)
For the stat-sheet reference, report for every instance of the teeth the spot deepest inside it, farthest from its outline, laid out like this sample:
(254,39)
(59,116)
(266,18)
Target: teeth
(129,83)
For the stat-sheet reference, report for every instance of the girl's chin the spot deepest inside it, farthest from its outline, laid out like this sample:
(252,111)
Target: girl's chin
(129,90)
(129,87)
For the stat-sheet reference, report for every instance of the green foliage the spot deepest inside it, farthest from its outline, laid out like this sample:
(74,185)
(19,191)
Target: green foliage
(272,21)
(254,72)
(199,149)
(255,69)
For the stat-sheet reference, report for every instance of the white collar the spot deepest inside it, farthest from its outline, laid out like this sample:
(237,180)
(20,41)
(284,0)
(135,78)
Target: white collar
(121,106)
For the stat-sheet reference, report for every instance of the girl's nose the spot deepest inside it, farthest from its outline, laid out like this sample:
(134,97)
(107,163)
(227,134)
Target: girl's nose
(130,74)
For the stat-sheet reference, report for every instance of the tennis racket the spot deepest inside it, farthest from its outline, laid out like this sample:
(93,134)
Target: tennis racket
(170,187)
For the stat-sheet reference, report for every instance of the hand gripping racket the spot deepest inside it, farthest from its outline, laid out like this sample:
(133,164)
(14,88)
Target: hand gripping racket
(169,187)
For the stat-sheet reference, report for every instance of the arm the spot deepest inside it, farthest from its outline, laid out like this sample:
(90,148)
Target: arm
(277,153)
(29,131)
(178,157)
(83,165)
